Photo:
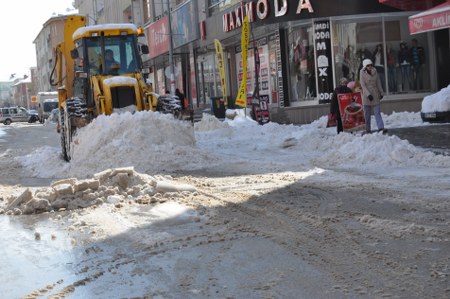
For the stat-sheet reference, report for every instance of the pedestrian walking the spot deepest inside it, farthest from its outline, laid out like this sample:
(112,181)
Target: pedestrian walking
(372,93)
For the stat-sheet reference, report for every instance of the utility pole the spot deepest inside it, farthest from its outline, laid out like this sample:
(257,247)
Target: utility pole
(171,66)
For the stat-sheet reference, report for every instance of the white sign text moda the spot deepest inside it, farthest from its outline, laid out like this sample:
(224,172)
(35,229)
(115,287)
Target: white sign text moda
(260,9)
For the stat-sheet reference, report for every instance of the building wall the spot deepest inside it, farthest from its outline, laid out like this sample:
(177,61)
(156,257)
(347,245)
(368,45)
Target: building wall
(115,11)
(51,34)
(6,93)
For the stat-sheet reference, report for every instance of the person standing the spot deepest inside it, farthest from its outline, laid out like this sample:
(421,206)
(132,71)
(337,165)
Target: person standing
(181,98)
(334,105)
(110,63)
(372,93)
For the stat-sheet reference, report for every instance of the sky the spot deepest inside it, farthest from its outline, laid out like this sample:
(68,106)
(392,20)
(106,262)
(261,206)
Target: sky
(21,21)
(154,144)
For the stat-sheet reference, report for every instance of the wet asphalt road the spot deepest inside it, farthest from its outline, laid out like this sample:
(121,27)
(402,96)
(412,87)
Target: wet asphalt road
(435,137)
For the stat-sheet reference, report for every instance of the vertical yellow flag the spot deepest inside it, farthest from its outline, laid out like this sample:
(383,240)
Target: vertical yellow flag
(241,99)
(221,63)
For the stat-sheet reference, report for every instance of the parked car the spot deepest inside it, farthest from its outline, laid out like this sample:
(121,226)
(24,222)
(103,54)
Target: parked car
(17,114)
(34,116)
(436,107)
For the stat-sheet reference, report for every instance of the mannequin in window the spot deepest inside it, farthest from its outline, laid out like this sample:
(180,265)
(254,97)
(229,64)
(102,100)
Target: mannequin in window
(417,55)
(362,54)
(346,63)
(405,64)
(300,68)
(391,60)
(378,61)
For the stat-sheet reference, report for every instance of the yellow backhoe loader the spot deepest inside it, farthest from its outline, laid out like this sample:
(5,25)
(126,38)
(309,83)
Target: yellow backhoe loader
(98,71)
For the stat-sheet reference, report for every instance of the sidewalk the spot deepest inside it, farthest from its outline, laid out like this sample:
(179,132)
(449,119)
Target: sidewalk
(434,137)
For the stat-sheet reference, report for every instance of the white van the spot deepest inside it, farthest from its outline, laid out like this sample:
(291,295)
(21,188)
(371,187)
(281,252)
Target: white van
(47,101)
(16,114)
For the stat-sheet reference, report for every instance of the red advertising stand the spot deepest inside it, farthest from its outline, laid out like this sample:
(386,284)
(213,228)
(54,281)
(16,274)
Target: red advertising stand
(352,112)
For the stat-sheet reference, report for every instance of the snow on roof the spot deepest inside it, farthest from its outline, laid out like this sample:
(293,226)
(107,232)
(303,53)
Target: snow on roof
(119,80)
(22,81)
(103,27)
(48,93)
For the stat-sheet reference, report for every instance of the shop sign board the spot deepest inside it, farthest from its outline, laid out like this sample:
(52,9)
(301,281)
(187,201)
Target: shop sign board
(430,20)
(241,98)
(158,37)
(352,112)
(322,38)
(260,10)
(182,19)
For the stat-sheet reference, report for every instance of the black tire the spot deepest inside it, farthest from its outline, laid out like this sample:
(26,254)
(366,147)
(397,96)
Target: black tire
(74,108)
(7,122)
(32,119)
(65,145)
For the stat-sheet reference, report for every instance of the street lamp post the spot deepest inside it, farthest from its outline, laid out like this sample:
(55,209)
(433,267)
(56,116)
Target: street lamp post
(171,66)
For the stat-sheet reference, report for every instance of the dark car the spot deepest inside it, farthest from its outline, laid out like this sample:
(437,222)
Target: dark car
(33,116)
(436,107)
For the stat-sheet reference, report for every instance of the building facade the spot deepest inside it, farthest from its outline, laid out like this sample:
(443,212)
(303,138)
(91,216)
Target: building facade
(51,34)
(6,93)
(305,47)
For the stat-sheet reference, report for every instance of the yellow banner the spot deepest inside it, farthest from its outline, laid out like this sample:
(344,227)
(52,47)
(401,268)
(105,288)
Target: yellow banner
(221,63)
(241,99)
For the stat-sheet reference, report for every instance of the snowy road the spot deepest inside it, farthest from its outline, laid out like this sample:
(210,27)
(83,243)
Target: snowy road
(266,223)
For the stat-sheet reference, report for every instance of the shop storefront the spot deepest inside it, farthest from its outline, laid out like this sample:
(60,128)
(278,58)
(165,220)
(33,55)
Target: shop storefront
(181,38)
(307,46)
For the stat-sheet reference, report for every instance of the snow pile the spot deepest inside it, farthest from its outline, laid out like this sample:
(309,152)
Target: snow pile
(158,143)
(149,141)
(209,123)
(400,120)
(374,151)
(438,102)
(113,186)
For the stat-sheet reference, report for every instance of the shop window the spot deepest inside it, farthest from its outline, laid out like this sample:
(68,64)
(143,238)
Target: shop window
(401,60)
(302,82)
(267,65)
(392,29)
(209,85)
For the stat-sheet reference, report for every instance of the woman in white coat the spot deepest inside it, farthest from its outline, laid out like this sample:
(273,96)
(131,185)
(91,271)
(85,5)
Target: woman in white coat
(372,93)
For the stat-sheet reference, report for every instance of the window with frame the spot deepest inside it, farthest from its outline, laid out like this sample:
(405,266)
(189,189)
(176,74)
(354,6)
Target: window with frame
(301,63)
(392,53)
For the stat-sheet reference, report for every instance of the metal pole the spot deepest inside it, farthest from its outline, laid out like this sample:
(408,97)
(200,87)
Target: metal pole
(172,71)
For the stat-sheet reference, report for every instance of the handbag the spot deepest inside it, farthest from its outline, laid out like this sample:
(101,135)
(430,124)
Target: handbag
(332,121)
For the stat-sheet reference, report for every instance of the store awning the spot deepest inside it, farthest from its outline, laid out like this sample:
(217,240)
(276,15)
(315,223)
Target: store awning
(433,19)
(411,5)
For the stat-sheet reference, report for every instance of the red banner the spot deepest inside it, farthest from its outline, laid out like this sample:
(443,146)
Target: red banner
(352,112)
(158,37)
(432,19)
